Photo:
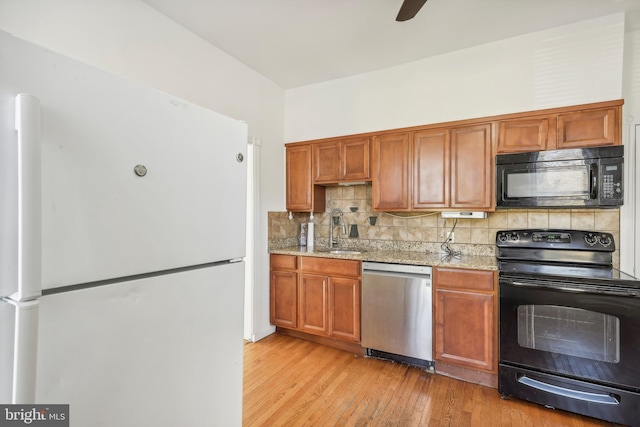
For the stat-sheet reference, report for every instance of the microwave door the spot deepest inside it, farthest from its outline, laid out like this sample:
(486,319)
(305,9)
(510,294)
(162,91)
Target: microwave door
(553,185)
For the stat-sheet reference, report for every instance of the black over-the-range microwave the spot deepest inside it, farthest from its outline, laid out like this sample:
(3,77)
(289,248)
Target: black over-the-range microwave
(581,177)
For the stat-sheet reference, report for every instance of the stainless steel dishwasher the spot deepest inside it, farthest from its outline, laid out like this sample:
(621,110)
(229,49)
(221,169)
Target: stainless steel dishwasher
(397,312)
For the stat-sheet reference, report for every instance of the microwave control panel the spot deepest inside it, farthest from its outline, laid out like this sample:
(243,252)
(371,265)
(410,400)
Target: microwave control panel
(611,181)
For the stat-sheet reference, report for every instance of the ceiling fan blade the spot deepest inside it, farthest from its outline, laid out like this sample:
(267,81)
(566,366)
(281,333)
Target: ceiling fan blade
(409,9)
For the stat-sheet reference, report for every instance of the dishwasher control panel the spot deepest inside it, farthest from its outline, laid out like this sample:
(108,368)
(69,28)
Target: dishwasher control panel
(397,268)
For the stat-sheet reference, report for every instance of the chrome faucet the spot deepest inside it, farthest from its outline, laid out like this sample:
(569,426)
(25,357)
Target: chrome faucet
(332,224)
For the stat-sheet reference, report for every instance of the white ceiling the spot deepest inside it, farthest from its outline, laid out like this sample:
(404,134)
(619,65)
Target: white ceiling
(300,42)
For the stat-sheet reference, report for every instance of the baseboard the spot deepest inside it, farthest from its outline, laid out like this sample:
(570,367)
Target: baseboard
(263,334)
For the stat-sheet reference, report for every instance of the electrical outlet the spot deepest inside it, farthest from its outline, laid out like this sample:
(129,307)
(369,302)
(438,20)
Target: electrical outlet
(451,237)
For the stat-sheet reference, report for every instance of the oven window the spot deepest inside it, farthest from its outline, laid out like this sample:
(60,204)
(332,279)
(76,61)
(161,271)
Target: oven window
(569,331)
(552,182)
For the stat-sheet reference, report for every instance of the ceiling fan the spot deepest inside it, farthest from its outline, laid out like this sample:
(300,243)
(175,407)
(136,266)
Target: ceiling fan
(409,9)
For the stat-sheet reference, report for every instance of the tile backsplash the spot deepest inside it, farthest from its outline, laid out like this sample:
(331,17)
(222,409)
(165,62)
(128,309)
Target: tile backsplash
(426,231)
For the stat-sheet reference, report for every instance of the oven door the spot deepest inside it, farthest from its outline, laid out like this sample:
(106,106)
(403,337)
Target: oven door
(568,329)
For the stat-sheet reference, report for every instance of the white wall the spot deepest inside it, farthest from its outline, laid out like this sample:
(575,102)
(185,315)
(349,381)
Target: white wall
(573,64)
(630,238)
(128,38)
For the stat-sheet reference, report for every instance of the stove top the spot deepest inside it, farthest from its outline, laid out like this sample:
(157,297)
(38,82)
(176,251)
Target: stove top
(565,255)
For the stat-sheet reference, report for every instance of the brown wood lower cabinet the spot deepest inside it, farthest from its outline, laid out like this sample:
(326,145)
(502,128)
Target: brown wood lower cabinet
(284,291)
(465,322)
(314,304)
(345,315)
(284,295)
(319,296)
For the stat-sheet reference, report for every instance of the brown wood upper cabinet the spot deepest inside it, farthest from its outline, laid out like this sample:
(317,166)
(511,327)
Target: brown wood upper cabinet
(391,162)
(441,166)
(588,128)
(342,161)
(472,168)
(522,135)
(573,127)
(302,194)
(434,169)
(431,169)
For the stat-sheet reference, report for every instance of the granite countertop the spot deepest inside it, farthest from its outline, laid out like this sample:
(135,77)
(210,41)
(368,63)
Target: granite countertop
(398,257)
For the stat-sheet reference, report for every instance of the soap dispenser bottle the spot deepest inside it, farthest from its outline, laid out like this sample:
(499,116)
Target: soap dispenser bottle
(310,235)
(303,235)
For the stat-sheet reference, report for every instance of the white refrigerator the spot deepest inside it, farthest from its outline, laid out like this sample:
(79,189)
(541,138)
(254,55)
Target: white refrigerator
(122,244)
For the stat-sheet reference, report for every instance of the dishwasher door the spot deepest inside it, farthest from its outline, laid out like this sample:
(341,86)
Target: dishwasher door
(397,309)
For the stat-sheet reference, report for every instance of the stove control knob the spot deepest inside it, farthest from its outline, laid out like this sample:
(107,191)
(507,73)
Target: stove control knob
(515,237)
(605,240)
(591,239)
(503,237)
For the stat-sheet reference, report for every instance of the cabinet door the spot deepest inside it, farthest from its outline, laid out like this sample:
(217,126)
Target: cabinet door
(390,167)
(588,128)
(344,308)
(472,168)
(314,301)
(302,194)
(299,182)
(284,298)
(431,160)
(464,329)
(355,159)
(522,135)
(327,162)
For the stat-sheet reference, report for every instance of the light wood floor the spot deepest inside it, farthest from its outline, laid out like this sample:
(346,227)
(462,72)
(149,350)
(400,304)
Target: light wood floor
(292,382)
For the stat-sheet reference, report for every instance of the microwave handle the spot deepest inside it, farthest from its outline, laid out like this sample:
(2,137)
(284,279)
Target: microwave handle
(593,179)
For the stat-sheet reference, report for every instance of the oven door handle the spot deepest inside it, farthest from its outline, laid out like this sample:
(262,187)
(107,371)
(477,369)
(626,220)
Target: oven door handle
(566,392)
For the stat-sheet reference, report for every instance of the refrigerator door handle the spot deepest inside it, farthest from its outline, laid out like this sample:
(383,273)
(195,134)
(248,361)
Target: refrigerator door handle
(25,351)
(29,198)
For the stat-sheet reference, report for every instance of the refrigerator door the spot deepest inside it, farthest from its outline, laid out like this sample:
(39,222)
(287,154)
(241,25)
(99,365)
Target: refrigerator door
(144,353)
(19,349)
(133,180)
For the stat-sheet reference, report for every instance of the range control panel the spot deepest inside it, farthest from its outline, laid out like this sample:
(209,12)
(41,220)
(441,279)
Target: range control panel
(556,239)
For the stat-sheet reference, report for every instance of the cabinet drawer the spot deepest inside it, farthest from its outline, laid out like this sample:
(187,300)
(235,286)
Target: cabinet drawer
(331,266)
(283,262)
(457,278)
